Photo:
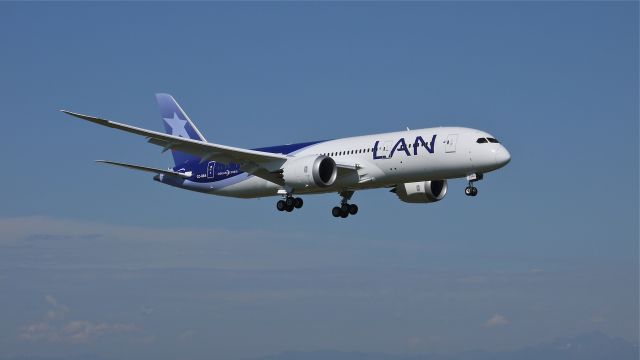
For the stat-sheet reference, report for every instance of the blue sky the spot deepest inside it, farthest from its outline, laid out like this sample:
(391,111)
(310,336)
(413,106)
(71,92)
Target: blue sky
(96,259)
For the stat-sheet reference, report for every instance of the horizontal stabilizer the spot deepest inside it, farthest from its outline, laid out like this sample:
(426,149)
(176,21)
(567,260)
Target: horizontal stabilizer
(148,169)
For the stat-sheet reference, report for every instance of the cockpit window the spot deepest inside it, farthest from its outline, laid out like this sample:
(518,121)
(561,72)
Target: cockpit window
(481,140)
(492,140)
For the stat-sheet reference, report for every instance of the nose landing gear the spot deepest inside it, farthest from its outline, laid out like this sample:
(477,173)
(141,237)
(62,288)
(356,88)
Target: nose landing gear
(345,209)
(472,190)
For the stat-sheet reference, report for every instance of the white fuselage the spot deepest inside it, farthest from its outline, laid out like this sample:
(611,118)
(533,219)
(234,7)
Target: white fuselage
(384,160)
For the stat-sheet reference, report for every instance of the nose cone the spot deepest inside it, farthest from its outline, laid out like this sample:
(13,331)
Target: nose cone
(502,157)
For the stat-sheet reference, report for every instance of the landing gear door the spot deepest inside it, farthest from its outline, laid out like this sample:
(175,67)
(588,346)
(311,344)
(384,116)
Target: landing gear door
(450,144)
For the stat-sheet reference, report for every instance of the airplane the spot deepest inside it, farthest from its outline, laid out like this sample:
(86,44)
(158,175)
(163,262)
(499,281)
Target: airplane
(413,164)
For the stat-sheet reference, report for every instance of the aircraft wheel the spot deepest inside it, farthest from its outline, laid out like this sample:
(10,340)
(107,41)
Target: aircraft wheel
(336,212)
(467,191)
(289,208)
(297,202)
(289,201)
(344,214)
(281,205)
(353,209)
(344,208)
(474,191)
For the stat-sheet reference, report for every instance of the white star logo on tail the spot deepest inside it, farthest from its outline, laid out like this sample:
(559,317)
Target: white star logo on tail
(178,126)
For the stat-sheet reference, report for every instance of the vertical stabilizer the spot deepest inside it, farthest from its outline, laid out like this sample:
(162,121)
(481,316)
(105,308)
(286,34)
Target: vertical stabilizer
(177,123)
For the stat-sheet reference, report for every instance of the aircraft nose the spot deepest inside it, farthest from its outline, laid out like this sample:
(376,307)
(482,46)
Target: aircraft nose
(502,157)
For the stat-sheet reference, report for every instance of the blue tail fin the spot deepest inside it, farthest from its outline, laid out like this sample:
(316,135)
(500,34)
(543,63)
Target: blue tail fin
(176,122)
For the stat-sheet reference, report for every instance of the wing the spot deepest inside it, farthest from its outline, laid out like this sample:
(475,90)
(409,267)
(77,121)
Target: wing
(252,161)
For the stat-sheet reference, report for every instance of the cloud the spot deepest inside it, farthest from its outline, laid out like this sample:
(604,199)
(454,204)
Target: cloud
(80,331)
(101,245)
(55,328)
(496,320)
(41,228)
(473,279)
(146,310)
(186,335)
(14,230)
(57,311)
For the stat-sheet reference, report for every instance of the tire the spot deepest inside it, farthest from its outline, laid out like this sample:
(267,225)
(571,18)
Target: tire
(335,212)
(289,201)
(289,208)
(344,208)
(467,191)
(281,205)
(353,209)
(344,214)
(474,191)
(298,203)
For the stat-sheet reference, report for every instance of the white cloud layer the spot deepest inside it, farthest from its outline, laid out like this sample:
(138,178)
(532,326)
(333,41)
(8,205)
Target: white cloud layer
(55,328)
(497,320)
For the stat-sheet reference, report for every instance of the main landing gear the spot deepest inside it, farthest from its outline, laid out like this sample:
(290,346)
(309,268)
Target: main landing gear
(289,203)
(472,190)
(345,209)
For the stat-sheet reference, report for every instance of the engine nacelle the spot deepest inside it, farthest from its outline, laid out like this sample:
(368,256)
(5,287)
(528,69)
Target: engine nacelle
(422,191)
(310,171)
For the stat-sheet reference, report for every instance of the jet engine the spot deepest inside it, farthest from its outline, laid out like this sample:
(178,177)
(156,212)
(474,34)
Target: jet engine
(310,171)
(421,191)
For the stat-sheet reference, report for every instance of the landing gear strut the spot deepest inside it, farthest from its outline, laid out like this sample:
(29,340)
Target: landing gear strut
(289,203)
(472,190)
(345,209)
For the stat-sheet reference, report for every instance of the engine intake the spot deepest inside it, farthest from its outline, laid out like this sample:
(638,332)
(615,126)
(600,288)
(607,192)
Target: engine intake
(310,171)
(421,191)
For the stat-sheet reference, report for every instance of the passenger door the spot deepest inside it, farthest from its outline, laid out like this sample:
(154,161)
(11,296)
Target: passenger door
(450,144)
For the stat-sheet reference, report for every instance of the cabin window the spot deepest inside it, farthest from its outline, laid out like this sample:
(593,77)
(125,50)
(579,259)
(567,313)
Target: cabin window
(493,140)
(481,140)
